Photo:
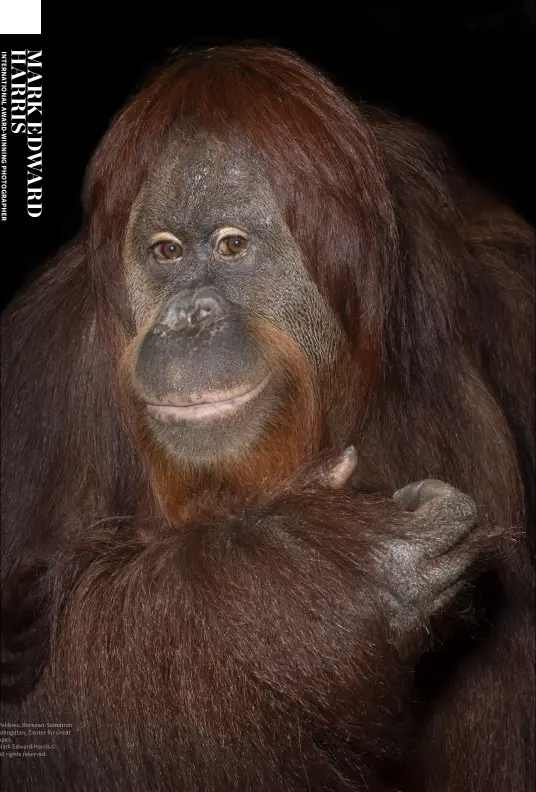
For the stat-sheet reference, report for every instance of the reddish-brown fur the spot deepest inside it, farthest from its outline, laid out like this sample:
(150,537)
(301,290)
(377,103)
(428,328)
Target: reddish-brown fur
(433,284)
(294,437)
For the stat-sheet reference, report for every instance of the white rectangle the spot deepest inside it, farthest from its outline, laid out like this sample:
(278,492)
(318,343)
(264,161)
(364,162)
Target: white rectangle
(20,16)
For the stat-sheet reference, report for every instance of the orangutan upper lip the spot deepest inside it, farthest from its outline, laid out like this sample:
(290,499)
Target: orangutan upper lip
(213,405)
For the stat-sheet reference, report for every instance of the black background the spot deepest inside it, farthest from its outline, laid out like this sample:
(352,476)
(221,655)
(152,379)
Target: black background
(466,71)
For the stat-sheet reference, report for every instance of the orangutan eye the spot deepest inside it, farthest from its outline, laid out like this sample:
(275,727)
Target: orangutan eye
(167,250)
(230,243)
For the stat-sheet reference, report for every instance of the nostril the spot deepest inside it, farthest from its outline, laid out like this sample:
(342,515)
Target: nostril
(205,307)
(199,314)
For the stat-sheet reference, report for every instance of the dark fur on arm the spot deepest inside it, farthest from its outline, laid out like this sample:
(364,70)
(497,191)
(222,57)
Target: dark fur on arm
(260,642)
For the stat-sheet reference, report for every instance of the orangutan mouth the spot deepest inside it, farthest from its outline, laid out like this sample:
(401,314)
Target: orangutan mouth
(207,407)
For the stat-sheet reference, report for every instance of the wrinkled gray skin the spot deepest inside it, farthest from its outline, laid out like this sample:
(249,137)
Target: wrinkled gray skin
(424,570)
(199,186)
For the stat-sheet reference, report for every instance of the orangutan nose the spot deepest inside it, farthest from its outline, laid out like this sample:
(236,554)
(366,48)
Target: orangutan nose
(193,307)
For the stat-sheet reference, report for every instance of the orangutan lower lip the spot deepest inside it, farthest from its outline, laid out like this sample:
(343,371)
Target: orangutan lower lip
(204,410)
